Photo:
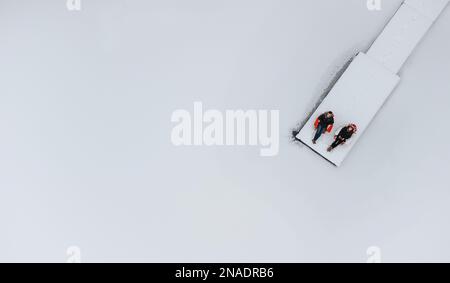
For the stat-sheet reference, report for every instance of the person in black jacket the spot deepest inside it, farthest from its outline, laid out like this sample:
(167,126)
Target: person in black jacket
(343,134)
(324,123)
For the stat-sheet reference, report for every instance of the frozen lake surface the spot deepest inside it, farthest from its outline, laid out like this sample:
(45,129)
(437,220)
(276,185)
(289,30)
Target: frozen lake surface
(86,159)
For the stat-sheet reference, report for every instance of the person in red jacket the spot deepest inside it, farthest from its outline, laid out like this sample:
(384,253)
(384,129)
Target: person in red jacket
(324,123)
(342,135)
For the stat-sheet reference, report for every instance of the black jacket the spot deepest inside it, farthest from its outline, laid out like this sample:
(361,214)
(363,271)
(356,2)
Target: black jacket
(325,121)
(345,134)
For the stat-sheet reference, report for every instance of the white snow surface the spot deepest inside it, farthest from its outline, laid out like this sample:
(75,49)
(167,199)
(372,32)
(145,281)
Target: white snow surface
(356,98)
(86,159)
